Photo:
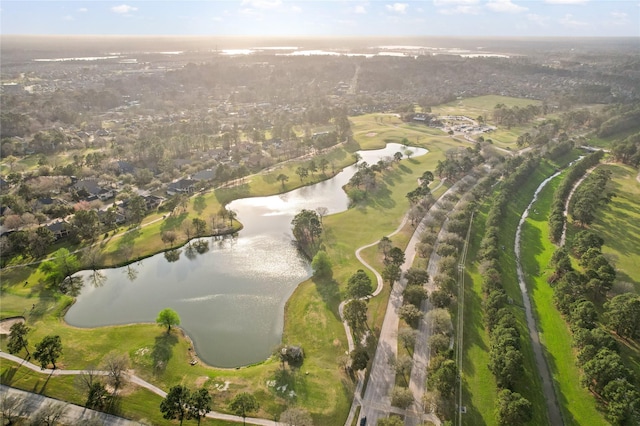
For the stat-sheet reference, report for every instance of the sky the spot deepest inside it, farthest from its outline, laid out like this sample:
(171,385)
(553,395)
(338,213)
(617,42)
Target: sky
(482,18)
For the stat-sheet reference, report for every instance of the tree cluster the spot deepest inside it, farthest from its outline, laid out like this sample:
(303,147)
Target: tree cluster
(515,116)
(556,216)
(589,196)
(604,372)
(181,403)
(307,228)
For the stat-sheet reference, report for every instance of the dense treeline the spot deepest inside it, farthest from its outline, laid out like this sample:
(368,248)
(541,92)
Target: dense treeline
(590,195)
(516,116)
(627,151)
(576,295)
(506,360)
(622,118)
(556,217)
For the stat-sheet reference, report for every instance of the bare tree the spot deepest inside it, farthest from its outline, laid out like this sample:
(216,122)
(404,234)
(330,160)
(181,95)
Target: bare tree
(50,414)
(11,407)
(116,365)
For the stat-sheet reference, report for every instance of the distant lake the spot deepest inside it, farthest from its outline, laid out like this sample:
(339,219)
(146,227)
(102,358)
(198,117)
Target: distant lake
(231,298)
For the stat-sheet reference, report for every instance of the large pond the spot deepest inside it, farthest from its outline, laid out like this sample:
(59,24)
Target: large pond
(230,298)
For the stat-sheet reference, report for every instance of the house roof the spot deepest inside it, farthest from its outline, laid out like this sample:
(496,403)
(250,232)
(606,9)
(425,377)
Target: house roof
(182,184)
(204,175)
(57,226)
(89,185)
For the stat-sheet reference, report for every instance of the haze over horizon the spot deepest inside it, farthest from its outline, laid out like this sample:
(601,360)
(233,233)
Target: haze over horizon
(284,18)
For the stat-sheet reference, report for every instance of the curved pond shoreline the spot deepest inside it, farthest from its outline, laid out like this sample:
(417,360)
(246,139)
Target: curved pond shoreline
(231,297)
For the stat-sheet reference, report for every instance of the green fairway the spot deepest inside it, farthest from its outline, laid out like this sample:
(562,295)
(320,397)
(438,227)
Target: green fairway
(618,223)
(479,385)
(481,105)
(578,405)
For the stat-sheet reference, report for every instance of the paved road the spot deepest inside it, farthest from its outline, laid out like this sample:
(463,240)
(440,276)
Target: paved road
(376,402)
(138,381)
(553,410)
(31,403)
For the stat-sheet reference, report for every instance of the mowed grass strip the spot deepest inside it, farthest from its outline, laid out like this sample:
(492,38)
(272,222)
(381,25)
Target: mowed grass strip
(578,405)
(480,391)
(618,223)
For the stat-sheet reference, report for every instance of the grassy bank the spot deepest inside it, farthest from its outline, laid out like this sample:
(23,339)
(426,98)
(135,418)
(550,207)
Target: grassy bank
(577,404)
(479,384)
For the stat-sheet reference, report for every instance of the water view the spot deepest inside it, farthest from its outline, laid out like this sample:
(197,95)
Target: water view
(230,298)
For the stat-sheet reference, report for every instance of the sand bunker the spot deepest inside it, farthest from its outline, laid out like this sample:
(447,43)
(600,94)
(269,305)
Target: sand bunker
(371,134)
(5,324)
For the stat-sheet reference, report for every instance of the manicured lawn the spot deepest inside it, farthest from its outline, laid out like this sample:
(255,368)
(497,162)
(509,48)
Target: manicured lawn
(479,385)
(577,403)
(618,223)
(481,105)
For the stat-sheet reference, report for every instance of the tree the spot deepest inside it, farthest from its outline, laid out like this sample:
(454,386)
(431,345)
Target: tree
(384,245)
(18,338)
(407,337)
(604,367)
(415,294)
(359,358)
(97,396)
(48,350)
(167,318)
(324,163)
(410,314)
(87,224)
(416,276)
(61,267)
(136,209)
(295,416)
(396,256)
(168,237)
(390,421)
(622,314)
(359,285)
(242,404)
(355,313)
(401,397)
(199,404)
(402,365)
(50,414)
(200,226)
(321,265)
(391,273)
(283,179)
(302,173)
(512,408)
(444,378)
(306,230)
(176,403)
(322,212)
(116,365)
(11,407)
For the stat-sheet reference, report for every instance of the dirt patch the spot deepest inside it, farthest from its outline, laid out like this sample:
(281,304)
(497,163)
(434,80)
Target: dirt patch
(371,134)
(200,381)
(5,324)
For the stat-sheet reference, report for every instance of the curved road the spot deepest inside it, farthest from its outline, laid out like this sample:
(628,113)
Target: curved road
(553,410)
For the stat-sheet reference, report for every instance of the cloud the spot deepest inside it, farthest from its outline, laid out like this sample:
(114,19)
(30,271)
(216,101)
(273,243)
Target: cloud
(296,9)
(454,2)
(566,1)
(262,4)
(398,7)
(67,18)
(360,10)
(543,21)
(505,6)
(569,22)
(618,19)
(123,9)
(83,10)
(460,10)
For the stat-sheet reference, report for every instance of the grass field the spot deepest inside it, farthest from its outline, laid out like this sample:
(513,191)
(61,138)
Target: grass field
(481,105)
(479,391)
(577,404)
(618,223)
(311,312)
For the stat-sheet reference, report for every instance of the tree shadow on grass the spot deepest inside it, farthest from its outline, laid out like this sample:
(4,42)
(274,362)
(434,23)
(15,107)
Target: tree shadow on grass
(129,238)
(226,195)
(199,204)
(162,351)
(8,375)
(330,293)
(172,222)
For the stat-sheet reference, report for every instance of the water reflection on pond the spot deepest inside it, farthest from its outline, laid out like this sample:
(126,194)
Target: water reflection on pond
(230,293)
